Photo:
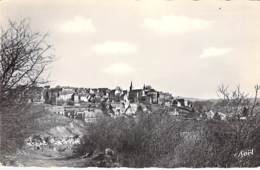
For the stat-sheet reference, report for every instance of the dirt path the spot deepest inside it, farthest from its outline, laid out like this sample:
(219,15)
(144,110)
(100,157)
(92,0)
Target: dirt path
(48,158)
(53,162)
(55,154)
(58,152)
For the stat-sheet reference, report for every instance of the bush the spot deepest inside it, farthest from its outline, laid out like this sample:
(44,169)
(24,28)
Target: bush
(137,141)
(158,140)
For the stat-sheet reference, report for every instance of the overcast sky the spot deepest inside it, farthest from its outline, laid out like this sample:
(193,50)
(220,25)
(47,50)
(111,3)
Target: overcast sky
(184,47)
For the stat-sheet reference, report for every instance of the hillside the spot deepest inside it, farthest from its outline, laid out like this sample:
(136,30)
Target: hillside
(40,126)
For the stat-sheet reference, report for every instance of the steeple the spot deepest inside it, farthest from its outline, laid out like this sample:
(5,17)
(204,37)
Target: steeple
(131,86)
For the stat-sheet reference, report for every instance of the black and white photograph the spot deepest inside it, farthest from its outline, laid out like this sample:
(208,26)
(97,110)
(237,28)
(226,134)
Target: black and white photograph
(130,83)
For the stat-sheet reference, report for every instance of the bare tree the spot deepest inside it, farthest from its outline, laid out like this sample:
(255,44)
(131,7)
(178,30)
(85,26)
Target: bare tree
(233,101)
(245,120)
(220,142)
(24,57)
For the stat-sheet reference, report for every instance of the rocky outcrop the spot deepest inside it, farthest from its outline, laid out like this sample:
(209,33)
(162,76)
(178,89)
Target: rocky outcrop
(38,142)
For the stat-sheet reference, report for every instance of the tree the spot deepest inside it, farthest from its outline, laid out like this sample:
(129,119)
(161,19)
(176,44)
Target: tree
(244,130)
(220,142)
(24,57)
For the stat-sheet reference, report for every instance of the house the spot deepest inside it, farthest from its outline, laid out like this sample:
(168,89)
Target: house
(112,95)
(131,109)
(103,92)
(214,115)
(117,95)
(164,98)
(150,95)
(59,95)
(65,94)
(84,97)
(75,97)
(93,91)
(210,114)
(168,103)
(52,94)
(118,108)
(135,95)
(180,102)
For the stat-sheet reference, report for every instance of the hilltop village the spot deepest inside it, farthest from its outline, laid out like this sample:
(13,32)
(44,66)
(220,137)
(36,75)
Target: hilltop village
(89,103)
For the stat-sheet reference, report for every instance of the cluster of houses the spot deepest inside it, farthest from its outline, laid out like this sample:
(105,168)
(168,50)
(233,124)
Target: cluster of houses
(78,96)
(80,102)
(89,103)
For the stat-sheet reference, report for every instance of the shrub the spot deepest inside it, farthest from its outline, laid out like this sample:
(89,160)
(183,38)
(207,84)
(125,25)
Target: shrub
(158,140)
(137,141)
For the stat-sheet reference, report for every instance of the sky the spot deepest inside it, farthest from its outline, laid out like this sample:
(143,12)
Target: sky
(184,47)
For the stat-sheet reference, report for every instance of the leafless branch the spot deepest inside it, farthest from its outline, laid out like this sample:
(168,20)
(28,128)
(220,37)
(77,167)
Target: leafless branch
(24,56)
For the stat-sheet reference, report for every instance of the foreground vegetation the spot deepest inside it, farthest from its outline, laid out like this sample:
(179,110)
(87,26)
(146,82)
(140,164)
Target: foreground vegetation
(24,57)
(159,140)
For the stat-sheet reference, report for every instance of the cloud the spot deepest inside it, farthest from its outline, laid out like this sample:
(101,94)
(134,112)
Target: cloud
(215,52)
(114,47)
(176,24)
(78,25)
(119,69)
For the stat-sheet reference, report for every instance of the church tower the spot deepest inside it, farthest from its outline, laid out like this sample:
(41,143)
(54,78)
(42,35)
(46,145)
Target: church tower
(131,86)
